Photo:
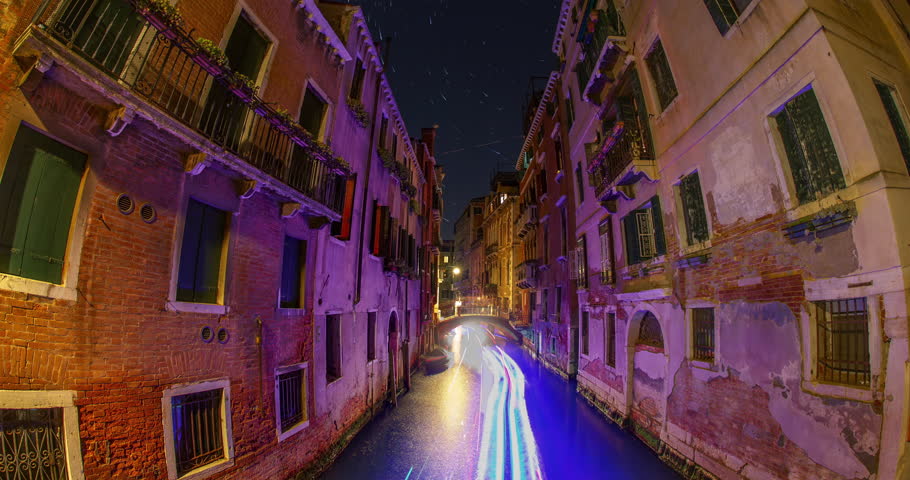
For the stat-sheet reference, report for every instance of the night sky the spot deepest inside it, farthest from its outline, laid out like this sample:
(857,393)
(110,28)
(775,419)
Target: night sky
(465,65)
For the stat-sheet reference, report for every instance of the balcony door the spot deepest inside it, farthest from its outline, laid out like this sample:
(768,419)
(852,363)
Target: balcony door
(105,31)
(223,118)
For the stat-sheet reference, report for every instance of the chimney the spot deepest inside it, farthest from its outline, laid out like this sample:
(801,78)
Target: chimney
(428,136)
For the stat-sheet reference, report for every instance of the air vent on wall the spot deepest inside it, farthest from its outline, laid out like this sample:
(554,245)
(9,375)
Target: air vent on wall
(148,213)
(125,204)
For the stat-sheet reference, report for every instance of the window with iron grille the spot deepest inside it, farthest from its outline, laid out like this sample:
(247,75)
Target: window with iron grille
(293,273)
(198,427)
(581,261)
(38,193)
(32,444)
(585,317)
(610,340)
(357,81)
(896,117)
(725,12)
(371,336)
(649,332)
(332,347)
(693,207)
(644,233)
(291,395)
(605,231)
(813,161)
(199,274)
(842,336)
(703,334)
(661,75)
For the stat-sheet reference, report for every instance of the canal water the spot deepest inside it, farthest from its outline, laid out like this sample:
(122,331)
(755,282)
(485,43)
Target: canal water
(494,413)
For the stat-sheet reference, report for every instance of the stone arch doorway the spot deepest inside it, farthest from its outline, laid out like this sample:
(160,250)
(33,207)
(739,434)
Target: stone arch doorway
(647,372)
(393,355)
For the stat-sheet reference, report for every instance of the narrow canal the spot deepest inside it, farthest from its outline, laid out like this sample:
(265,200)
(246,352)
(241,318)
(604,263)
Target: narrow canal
(494,413)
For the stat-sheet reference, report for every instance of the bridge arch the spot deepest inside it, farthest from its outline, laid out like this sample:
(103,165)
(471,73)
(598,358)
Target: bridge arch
(500,324)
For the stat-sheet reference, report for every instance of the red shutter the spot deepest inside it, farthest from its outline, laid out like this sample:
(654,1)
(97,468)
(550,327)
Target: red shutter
(348,211)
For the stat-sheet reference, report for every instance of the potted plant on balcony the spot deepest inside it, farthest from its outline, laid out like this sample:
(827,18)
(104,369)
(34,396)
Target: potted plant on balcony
(162,15)
(340,166)
(388,161)
(243,86)
(211,57)
(408,189)
(359,112)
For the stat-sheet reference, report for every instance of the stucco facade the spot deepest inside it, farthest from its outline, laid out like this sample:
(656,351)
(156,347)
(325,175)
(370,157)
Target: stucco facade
(710,276)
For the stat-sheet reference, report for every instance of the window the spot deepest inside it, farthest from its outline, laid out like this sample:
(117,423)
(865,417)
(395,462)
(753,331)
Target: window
(407,325)
(445,259)
(564,228)
(198,424)
(32,443)
(725,12)
(332,347)
(357,82)
(557,154)
(539,136)
(312,112)
(580,183)
(605,230)
(558,306)
(342,229)
(201,253)
(291,399)
(585,317)
(293,273)
(649,333)
(384,132)
(610,340)
(693,209)
(570,110)
(644,233)
(553,345)
(703,334)
(842,336)
(478,211)
(896,117)
(394,146)
(545,305)
(38,192)
(371,336)
(546,244)
(661,75)
(581,261)
(814,165)
(247,47)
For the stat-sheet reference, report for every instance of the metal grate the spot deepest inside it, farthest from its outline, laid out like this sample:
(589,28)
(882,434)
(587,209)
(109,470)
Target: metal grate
(693,209)
(148,213)
(291,398)
(661,75)
(32,444)
(842,337)
(198,429)
(703,334)
(125,204)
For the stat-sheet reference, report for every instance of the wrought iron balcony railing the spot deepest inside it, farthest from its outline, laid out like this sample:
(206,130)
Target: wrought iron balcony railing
(492,249)
(624,145)
(526,221)
(608,24)
(160,63)
(526,274)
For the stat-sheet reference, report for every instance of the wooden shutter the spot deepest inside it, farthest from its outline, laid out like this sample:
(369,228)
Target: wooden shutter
(693,209)
(657,218)
(347,214)
(208,267)
(38,191)
(630,232)
(189,252)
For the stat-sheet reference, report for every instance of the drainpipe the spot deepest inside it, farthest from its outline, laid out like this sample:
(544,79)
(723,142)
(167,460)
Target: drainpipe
(366,180)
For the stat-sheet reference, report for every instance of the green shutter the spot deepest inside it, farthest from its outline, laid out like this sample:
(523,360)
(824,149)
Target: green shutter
(39,188)
(658,218)
(886,93)
(208,267)
(630,232)
(246,48)
(693,209)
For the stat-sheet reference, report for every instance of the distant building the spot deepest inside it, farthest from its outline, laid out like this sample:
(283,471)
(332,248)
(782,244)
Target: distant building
(469,250)
(500,209)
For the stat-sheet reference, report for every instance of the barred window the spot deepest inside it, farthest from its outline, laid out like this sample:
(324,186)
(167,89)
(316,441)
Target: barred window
(661,74)
(198,426)
(814,165)
(605,230)
(896,117)
(703,334)
(610,340)
(693,209)
(725,12)
(842,335)
(581,261)
(32,443)
(291,397)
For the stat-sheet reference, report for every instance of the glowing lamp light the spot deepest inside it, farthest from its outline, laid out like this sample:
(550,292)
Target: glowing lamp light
(457,303)
(456,271)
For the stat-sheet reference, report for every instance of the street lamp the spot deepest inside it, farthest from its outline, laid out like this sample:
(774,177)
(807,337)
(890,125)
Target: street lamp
(456,271)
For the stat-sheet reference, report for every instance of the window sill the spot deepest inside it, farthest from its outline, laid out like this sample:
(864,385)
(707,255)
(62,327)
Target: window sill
(189,307)
(847,392)
(337,241)
(695,248)
(291,312)
(207,470)
(710,366)
(293,431)
(842,196)
(36,287)
(332,381)
(824,218)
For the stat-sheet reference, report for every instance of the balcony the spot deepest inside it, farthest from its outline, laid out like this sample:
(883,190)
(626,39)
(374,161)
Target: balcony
(526,274)
(527,220)
(492,249)
(602,50)
(153,68)
(624,156)
(491,290)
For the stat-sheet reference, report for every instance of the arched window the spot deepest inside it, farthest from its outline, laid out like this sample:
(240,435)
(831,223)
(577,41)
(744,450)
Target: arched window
(649,333)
